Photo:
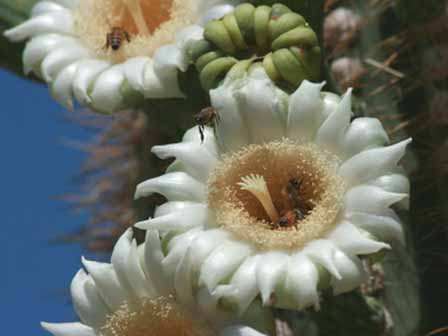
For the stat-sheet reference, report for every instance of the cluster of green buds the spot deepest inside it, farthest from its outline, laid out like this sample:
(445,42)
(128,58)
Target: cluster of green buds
(275,36)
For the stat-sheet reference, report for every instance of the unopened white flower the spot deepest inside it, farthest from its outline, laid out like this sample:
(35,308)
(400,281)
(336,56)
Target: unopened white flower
(283,200)
(69,47)
(130,297)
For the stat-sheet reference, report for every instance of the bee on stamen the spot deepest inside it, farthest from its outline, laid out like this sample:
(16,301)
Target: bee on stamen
(115,38)
(204,118)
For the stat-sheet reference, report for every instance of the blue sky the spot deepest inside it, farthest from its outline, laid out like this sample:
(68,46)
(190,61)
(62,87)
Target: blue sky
(36,167)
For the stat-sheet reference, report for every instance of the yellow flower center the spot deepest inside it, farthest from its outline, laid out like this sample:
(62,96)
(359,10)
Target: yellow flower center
(155,317)
(279,195)
(137,27)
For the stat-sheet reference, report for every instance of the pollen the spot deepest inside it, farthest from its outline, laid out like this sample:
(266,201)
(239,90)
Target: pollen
(155,317)
(149,23)
(246,185)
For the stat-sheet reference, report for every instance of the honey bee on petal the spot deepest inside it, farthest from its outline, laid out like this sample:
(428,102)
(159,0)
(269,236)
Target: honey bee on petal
(115,38)
(205,117)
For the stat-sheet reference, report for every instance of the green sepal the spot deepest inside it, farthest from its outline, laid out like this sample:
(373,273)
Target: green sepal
(234,31)
(244,15)
(216,32)
(262,18)
(199,48)
(278,10)
(284,24)
(202,61)
(212,72)
(239,70)
(271,70)
(310,60)
(289,66)
(300,36)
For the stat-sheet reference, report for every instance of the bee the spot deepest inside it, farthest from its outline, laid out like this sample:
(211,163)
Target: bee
(205,117)
(296,207)
(292,191)
(289,218)
(115,37)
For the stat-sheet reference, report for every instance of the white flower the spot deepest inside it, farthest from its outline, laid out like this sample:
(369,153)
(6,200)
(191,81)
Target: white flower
(285,198)
(130,297)
(68,47)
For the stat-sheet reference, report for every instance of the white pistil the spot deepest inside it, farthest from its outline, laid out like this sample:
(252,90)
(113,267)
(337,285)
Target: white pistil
(256,185)
(137,15)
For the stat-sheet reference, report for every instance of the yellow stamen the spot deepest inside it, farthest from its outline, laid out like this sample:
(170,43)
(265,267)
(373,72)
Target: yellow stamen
(256,185)
(137,15)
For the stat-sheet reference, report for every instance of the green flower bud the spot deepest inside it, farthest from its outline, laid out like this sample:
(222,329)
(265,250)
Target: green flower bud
(275,37)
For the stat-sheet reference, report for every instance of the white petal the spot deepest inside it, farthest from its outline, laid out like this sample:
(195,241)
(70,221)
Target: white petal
(67,3)
(243,286)
(270,272)
(350,240)
(263,110)
(169,207)
(196,158)
(87,301)
(161,74)
(174,186)
(372,163)
(305,109)
(38,47)
(153,260)
(204,244)
(44,7)
(61,57)
(61,88)
(134,71)
(168,59)
(302,279)
(53,22)
(322,252)
(240,331)
(387,228)
(192,136)
(331,103)
(351,271)
(216,12)
(196,215)
(107,283)
(396,183)
(185,38)
(159,87)
(183,283)
(231,128)
(88,71)
(178,247)
(68,329)
(370,199)
(128,268)
(331,132)
(222,262)
(106,93)
(364,133)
